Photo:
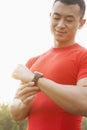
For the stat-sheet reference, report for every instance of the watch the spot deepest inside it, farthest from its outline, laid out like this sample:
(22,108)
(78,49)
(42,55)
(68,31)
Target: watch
(37,75)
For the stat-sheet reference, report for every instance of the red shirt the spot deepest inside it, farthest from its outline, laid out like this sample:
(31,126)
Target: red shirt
(65,66)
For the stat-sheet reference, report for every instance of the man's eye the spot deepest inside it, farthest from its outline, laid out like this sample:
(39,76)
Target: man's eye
(56,18)
(69,20)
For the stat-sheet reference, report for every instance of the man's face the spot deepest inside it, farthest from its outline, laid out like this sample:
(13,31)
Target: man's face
(65,20)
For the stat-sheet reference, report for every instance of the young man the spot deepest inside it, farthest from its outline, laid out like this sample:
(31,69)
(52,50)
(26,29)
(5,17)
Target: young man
(55,97)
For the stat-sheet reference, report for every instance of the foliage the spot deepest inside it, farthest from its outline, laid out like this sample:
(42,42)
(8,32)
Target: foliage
(84,123)
(7,123)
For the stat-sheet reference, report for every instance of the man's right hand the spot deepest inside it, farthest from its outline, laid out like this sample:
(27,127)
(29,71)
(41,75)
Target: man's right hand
(26,92)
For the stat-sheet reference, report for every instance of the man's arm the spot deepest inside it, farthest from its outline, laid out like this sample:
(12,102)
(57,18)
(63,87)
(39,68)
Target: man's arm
(19,111)
(72,98)
(21,105)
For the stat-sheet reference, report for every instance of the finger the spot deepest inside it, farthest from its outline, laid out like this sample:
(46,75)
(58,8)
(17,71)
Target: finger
(23,85)
(30,84)
(29,94)
(28,100)
(27,90)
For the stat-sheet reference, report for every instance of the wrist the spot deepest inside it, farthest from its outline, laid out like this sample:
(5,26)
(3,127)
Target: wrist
(36,77)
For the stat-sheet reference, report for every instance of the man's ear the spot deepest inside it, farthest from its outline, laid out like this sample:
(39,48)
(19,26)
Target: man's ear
(82,22)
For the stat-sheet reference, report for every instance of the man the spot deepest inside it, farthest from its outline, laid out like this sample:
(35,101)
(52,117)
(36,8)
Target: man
(55,97)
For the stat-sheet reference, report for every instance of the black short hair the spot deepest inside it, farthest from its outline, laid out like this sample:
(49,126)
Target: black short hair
(81,4)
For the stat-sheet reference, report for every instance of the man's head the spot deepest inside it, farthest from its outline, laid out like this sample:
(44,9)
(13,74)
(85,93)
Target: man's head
(81,4)
(66,19)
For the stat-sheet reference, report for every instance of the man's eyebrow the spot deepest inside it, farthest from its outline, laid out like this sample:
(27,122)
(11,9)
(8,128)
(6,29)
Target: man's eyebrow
(55,13)
(70,16)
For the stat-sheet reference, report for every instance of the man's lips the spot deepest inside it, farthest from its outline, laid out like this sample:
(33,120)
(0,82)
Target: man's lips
(60,32)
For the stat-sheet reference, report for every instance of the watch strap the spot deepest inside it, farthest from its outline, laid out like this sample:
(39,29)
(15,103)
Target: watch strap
(37,75)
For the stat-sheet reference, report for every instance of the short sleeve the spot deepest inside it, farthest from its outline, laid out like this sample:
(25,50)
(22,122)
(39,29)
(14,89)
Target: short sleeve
(31,61)
(83,67)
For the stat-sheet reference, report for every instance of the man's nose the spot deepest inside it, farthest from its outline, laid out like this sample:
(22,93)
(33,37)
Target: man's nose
(61,23)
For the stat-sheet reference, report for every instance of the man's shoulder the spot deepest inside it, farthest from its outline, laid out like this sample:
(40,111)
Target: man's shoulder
(31,61)
(81,50)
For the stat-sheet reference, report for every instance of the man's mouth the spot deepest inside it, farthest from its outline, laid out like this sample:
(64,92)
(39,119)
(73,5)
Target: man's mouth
(60,32)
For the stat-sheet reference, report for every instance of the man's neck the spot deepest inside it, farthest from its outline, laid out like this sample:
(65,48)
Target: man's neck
(63,44)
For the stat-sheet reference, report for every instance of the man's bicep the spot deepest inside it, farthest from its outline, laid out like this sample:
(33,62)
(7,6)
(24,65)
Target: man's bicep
(82,82)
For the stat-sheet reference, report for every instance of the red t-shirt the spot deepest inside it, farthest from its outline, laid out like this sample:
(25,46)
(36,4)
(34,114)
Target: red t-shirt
(64,66)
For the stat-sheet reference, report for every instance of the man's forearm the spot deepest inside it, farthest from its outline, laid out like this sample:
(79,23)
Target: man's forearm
(19,111)
(69,97)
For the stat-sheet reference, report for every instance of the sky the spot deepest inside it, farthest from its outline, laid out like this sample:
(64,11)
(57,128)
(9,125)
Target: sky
(24,33)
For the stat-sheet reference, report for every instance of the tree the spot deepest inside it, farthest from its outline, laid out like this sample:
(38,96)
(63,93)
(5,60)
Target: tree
(7,123)
(84,123)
